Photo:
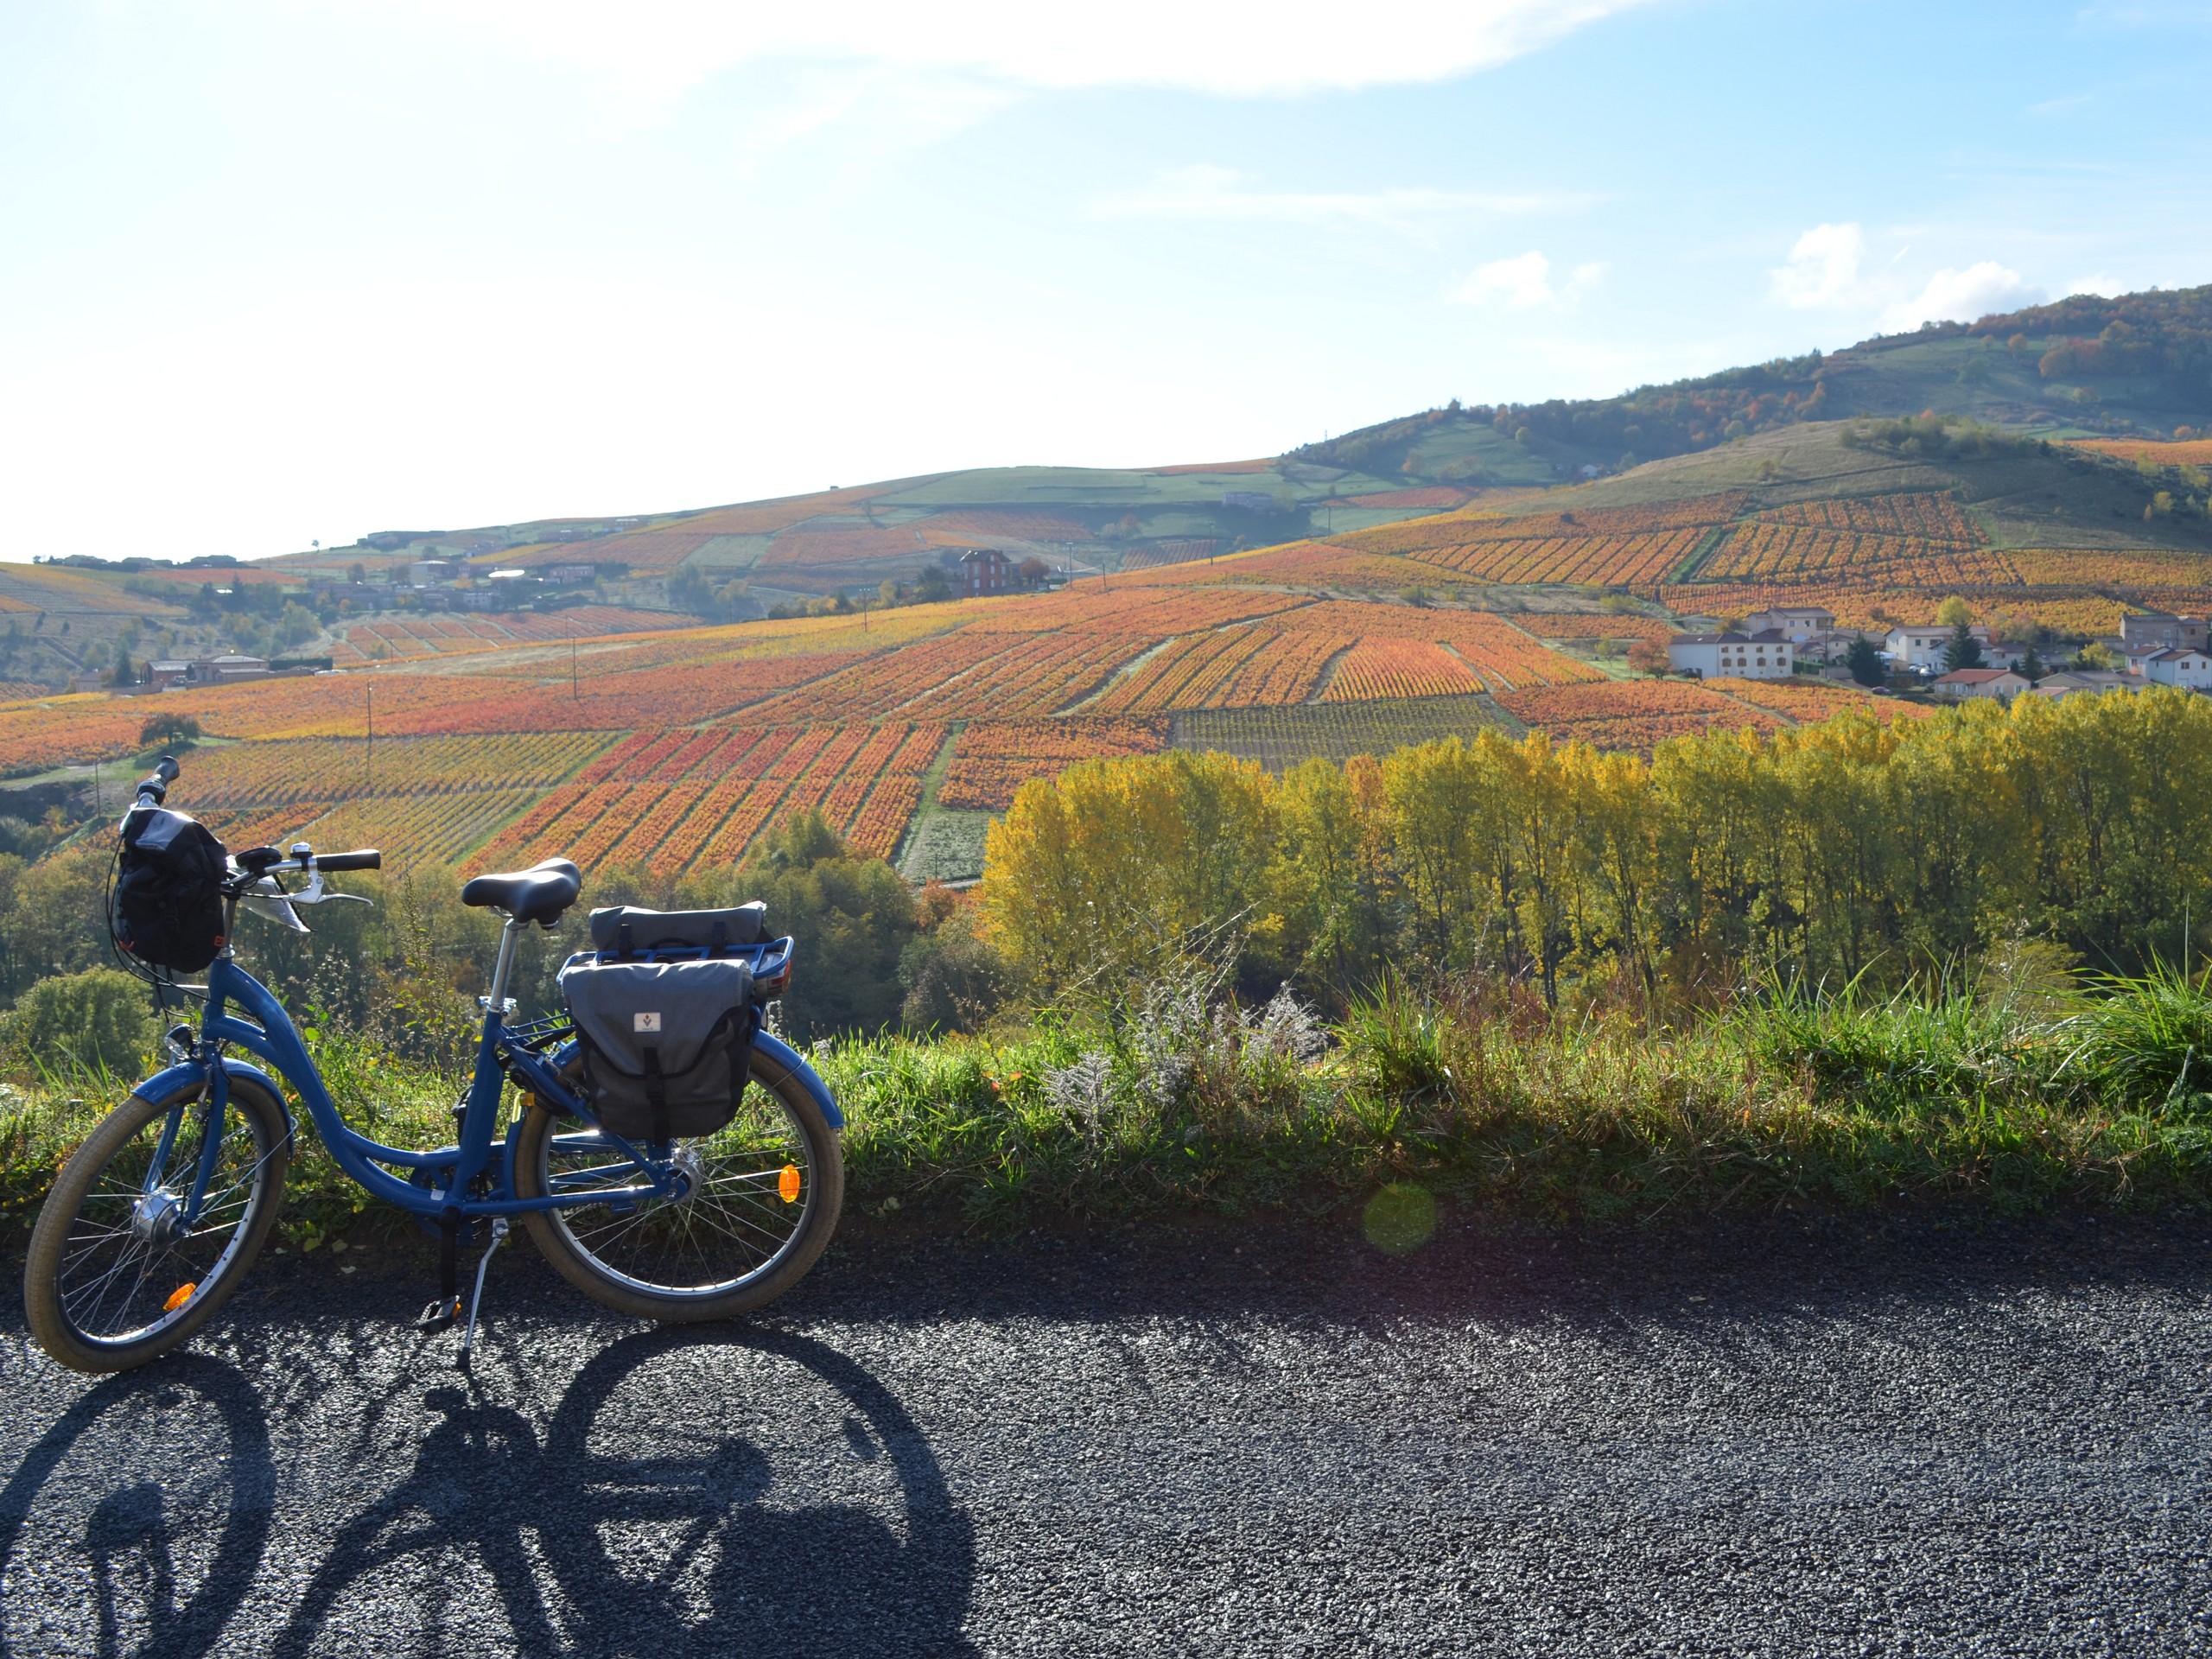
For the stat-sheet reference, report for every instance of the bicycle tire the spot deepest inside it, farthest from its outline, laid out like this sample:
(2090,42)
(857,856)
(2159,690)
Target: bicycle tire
(70,1243)
(602,1253)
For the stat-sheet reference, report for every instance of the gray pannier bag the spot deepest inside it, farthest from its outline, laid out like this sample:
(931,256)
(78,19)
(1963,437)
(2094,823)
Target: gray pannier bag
(667,1045)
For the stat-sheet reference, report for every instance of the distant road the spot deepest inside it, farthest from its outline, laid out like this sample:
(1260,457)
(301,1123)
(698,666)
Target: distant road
(1858,1437)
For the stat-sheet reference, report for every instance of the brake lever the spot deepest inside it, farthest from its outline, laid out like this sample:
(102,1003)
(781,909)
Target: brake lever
(267,898)
(315,893)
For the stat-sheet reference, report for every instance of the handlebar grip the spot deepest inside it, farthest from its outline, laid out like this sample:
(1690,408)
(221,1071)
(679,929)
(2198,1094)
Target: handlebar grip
(368,858)
(154,785)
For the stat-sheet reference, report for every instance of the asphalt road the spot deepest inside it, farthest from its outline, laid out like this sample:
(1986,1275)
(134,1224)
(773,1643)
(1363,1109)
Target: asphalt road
(1902,1436)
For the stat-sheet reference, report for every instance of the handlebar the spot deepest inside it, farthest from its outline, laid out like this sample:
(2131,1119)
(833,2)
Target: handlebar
(255,862)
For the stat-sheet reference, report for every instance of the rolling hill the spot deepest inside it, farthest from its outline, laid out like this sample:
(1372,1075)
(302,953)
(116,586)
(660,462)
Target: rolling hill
(2136,368)
(1434,574)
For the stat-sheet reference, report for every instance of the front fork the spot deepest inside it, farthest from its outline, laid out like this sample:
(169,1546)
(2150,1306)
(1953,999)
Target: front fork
(157,1210)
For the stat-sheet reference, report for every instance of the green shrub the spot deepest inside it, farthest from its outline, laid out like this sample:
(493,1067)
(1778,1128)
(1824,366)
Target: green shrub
(98,1020)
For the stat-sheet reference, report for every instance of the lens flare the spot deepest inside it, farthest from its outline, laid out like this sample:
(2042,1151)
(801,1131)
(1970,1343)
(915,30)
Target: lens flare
(1400,1218)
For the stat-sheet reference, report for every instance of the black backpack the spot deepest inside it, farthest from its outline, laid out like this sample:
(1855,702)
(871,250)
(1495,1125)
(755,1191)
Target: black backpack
(167,906)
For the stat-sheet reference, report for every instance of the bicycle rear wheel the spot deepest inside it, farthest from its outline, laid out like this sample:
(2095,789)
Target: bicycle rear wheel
(113,1278)
(766,1193)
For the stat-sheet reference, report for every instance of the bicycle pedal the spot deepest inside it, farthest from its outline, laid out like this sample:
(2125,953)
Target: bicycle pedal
(439,1314)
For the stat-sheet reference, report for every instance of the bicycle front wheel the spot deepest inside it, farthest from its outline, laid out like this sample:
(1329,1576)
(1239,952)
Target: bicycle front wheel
(114,1276)
(764,1193)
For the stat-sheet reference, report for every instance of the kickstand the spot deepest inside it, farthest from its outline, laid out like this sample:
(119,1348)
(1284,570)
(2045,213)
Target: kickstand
(469,1336)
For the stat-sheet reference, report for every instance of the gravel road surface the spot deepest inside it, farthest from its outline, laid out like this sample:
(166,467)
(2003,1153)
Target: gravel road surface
(1924,1436)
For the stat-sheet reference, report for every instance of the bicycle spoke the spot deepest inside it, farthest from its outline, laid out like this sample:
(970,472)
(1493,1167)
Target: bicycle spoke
(112,1284)
(106,1281)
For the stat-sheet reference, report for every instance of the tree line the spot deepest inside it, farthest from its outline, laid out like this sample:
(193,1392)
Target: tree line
(1856,848)
(1853,848)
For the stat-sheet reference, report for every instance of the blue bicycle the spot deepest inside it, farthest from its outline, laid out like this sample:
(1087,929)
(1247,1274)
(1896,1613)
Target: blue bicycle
(156,1218)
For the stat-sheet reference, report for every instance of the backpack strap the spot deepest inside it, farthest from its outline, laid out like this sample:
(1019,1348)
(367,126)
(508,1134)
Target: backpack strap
(656,1093)
(623,946)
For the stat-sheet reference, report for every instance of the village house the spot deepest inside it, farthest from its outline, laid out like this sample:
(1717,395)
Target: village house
(2069,682)
(1767,655)
(2184,666)
(2000,682)
(1920,650)
(985,570)
(225,670)
(1800,624)
(2160,628)
(1834,645)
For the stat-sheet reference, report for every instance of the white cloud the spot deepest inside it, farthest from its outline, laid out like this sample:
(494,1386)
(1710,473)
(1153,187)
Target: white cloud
(1823,269)
(1204,193)
(1523,282)
(1825,272)
(1964,296)
(2101,283)
(656,49)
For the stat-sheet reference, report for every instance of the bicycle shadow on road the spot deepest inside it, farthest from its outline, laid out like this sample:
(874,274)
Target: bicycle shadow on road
(134,1551)
(671,1553)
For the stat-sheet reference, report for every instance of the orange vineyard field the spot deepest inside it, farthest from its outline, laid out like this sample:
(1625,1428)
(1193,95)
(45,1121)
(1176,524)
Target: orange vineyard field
(1398,668)
(630,738)
(2194,452)
(1637,715)
(663,800)
(1806,701)
(992,759)
(393,641)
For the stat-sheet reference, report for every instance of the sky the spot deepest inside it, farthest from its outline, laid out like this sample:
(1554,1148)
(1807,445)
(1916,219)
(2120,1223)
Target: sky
(275,272)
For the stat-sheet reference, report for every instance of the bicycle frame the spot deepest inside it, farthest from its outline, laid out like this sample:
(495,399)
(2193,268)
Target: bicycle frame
(267,1032)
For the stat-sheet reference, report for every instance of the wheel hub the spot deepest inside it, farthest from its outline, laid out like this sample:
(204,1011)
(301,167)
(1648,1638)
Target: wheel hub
(156,1218)
(689,1164)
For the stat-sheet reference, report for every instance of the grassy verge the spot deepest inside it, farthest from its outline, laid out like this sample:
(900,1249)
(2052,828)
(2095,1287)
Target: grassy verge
(1179,1102)
(380,1095)
(1786,1102)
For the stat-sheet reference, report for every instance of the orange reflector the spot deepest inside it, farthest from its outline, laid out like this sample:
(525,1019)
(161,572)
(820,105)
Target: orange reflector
(179,1297)
(787,1184)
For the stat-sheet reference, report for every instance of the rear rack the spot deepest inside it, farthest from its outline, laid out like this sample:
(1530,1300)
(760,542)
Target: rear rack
(771,960)
(537,1035)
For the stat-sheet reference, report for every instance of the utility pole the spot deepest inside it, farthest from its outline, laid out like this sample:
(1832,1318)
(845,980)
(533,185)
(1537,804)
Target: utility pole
(574,693)
(369,746)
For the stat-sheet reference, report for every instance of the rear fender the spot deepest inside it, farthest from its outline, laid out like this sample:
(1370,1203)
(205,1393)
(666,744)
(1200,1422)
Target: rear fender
(787,1057)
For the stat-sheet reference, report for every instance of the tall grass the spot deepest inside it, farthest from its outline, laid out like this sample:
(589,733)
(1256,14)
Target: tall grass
(1180,1100)
(53,1107)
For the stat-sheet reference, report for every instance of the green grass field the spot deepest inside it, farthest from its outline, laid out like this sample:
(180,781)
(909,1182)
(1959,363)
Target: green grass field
(946,846)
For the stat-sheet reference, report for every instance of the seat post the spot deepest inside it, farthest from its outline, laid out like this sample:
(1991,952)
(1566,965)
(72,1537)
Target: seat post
(509,936)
